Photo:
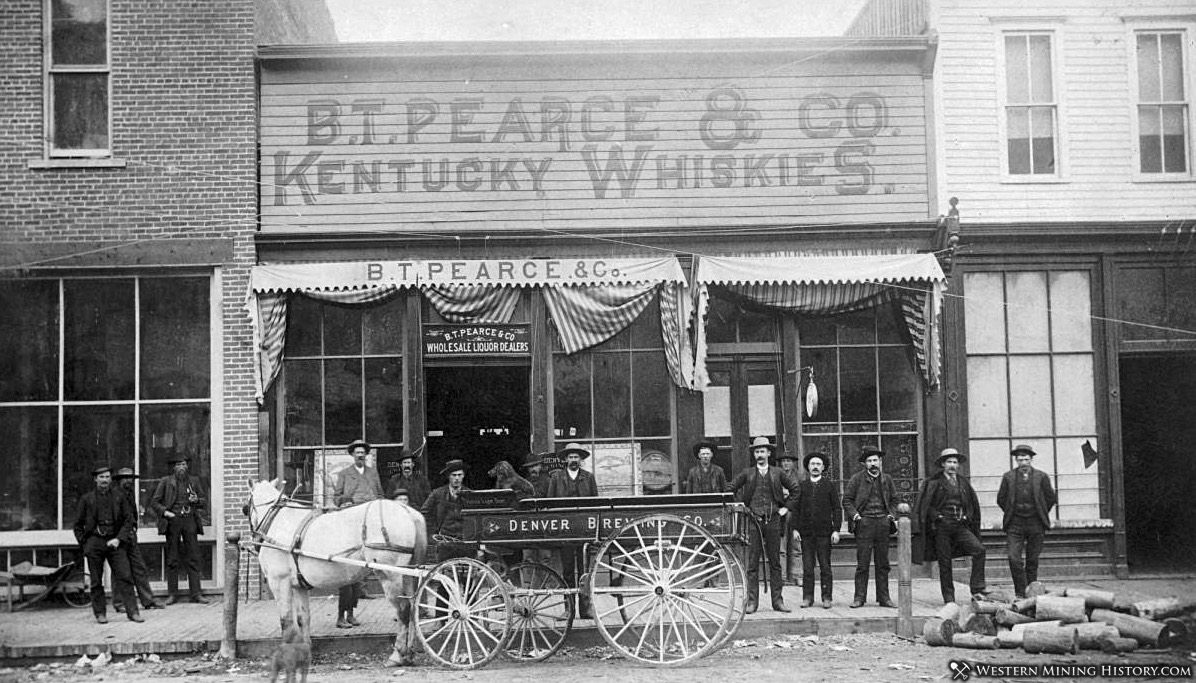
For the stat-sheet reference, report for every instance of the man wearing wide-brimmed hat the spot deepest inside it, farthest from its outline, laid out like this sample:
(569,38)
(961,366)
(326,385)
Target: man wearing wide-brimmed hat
(356,484)
(179,502)
(573,482)
(1026,497)
(408,477)
(533,468)
(442,513)
(769,494)
(705,476)
(125,480)
(817,516)
(947,515)
(869,500)
(104,527)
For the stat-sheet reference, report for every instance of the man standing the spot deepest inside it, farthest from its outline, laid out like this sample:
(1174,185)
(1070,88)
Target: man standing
(1026,497)
(104,527)
(124,479)
(408,478)
(762,489)
(705,477)
(817,517)
(356,484)
(790,539)
(178,502)
(868,502)
(948,515)
(442,512)
(574,482)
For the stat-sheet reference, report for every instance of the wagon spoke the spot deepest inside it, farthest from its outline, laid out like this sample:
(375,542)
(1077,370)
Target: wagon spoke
(627,605)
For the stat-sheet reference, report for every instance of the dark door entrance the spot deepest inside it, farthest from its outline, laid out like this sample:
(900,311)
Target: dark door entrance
(1158,428)
(743,401)
(478,414)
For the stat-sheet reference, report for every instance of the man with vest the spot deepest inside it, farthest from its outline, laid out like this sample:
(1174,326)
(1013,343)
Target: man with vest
(948,516)
(104,528)
(356,484)
(868,501)
(762,488)
(178,501)
(1026,497)
(574,482)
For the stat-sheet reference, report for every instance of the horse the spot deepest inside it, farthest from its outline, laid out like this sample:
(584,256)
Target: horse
(383,531)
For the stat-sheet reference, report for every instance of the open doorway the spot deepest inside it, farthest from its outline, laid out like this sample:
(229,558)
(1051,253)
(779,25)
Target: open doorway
(478,413)
(1158,428)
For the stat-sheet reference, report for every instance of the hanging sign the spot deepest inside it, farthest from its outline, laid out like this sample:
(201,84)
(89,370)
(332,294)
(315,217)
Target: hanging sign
(471,340)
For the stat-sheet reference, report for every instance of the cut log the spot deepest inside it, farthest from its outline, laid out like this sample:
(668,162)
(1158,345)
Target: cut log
(1176,628)
(1145,631)
(1035,589)
(975,641)
(1060,640)
(1123,604)
(986,606)
(1090,634)
(1093,599)
(1015,635)
(938,632)
(1025,605)
(1007,617)
(1069,610)
(1006,638)
(965,613)
(999,595)
(948,611)
(1037,624)
(981,624)
(1116,645)
(1161,608)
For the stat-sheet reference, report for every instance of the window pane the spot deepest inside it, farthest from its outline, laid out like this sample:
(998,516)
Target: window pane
(175,338)
(901,463)
(899,393)
(825,364)
(28,340)
(571,395)
(80,111)
(984,312)
(342,331)
(1172,67)
(988,400)
(383,400)
(1175,139)
(645,331)
(79,32)
(303,327)
(167,432)
(1074,402)
(890,325)
(99,340)
(1041,86)
(1017,72)
(1043,149)
(1141,296)
(651,394)
(1150,139)
(1071,308)
(1019,139)
(816,330)
(857,328)
(342,401)
(755,326)
(858,391)
(29,460)
(1029,328)
(384,327)
(1148,67)
(612,414)
(762,405)
(304,418)
(1030,409)
(92,436)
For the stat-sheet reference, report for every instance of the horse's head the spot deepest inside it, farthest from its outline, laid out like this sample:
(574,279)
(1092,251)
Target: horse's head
(262,495)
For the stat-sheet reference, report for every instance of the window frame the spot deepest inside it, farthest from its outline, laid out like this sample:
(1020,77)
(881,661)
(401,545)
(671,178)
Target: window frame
(1060,173)
(50,70)
(1187,29)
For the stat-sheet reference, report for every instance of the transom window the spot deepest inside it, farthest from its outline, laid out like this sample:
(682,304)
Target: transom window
(1163,111)
(1031,110)
(77,77)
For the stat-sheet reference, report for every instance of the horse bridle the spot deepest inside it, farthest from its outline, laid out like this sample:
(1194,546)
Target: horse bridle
(258,531)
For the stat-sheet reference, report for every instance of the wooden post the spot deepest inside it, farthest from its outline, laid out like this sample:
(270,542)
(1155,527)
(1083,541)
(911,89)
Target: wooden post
(232,563)
(905,593)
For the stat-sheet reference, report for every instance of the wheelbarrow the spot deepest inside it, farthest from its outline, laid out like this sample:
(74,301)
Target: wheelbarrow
(68,581)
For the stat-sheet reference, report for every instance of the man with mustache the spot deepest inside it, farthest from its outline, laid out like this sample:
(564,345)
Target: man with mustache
(533,465)
(817,517)
(178,501)
(104,527)
(408,478)
(573,482)
(948,516)
(762,488)
(868,501)
(355,484)
(1026,497)
(125,480)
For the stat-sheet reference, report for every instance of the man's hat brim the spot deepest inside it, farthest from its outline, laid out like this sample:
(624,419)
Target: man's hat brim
(453,466)
(125,473)
(355,444)
(943,458)
(870,451)
(805,463)
(575,448)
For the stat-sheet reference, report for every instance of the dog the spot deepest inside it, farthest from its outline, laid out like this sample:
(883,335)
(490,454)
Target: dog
(292,656)
(506,478)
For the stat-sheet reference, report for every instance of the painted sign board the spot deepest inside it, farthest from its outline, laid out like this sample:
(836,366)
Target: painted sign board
(481,340)
(581,525)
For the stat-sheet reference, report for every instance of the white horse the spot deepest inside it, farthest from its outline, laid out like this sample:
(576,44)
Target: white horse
(288,534)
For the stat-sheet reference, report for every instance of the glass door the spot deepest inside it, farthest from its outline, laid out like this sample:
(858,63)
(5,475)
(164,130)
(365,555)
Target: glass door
(742,402)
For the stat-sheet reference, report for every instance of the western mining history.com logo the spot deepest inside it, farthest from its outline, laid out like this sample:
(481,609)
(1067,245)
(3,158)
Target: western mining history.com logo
(963,670)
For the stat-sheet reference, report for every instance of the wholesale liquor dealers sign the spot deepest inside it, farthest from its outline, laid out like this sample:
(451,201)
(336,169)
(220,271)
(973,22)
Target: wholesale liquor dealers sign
(463,340)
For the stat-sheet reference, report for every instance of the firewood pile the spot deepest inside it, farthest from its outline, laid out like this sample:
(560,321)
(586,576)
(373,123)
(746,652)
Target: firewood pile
(1060,621)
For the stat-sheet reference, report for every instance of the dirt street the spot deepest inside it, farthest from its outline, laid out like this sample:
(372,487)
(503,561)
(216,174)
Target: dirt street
(868,657)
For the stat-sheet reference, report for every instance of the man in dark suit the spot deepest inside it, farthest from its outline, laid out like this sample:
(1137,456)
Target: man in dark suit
(126,481)
(356,484)
(1026,497)
(948,515)
(442,513)
(408,478)
(762,488)
(533,466)
(817,517)
(179,502)
(104,528)
(574,482)
(705,476)
(868,500)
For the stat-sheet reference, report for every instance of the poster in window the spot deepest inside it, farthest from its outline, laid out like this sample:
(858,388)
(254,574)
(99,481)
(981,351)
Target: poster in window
(616,468)
(328,464)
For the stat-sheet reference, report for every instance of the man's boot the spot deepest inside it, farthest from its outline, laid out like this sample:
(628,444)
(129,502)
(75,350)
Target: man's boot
(749,605)
(778,603)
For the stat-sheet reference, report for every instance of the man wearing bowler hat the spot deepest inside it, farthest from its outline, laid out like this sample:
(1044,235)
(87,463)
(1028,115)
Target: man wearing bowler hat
(178,501)
(104,527)
(1026,497)
(705,477)
(817,516)
(442,513)
(409,478)
(573,482)
(356,484)
(868,501)
(948,517)
(762,488)
(125,481)
(533,467)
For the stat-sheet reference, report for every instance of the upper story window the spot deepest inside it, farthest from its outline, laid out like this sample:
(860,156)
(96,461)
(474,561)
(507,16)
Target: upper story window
(1031,107)
(77,77)
(1163,110)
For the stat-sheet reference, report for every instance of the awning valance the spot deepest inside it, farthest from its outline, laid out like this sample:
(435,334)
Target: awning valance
(360,275)
(817,269)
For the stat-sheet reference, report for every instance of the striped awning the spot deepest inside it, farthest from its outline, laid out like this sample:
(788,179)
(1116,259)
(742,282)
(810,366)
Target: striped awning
(818,269)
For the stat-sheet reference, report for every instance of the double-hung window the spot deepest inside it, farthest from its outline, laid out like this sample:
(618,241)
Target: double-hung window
(1031,106)
(77,78)
(1164,114)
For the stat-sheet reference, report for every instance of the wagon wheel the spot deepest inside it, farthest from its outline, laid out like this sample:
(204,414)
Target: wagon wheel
(739,597)
(681,591)
(76,587)
(540,621)
(462,613)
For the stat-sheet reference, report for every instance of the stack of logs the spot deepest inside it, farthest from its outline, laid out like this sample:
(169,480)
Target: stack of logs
(1059,622)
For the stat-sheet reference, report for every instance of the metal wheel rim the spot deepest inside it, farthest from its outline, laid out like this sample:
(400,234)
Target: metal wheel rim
(738,599)
(75,589)
(539,622)
(470,624)
(679,591)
